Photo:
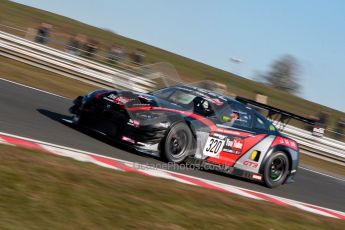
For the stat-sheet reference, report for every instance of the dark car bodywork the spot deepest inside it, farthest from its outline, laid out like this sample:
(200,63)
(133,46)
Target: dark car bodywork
(241,147)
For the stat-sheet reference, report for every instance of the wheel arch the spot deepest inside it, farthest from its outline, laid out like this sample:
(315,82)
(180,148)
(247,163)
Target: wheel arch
(163,140)
(173,122)
(273,150)
(191,127)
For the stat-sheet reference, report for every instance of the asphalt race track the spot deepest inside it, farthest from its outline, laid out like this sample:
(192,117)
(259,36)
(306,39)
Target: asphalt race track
(30,113)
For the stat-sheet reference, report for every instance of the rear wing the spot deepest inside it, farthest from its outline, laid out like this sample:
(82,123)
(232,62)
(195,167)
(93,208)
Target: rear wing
(279,117)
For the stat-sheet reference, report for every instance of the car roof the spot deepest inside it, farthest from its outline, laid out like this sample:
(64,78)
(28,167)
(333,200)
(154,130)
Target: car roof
(203,92)
(206,94)
(232,101)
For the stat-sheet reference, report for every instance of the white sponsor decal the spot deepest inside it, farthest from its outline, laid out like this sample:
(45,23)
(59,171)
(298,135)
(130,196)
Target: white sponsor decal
(213,147)
(238,144)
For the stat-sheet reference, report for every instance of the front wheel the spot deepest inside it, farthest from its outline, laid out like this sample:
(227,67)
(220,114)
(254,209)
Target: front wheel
(276,170)
(178,143)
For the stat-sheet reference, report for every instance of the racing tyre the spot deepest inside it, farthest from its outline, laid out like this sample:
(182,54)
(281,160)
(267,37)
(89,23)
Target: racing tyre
(178,143)
(276,169)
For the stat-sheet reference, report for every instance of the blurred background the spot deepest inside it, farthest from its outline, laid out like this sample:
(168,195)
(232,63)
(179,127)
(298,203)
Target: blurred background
(279,86)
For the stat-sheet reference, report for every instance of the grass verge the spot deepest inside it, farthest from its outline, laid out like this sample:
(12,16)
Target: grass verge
(40,190)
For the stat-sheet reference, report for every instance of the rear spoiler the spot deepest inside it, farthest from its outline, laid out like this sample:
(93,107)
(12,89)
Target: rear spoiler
(280,117)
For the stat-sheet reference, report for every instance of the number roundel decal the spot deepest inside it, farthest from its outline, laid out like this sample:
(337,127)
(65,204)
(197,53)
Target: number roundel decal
(213,147)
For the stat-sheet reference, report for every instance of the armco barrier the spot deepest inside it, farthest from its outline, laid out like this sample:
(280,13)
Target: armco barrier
(71,65)
(323,146)
(102,75)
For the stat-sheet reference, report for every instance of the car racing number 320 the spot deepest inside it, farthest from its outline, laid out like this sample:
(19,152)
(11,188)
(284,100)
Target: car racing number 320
(185,122)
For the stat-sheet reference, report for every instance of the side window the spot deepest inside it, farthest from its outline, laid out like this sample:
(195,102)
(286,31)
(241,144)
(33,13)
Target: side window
(202,107)
(164,93)
(245,117)
(260,124)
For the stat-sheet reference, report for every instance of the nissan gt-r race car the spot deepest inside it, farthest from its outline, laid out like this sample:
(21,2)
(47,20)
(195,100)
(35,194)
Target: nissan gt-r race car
(186,123)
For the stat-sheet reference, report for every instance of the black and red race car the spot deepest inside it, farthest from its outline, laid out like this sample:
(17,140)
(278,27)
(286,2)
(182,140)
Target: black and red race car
(189,124)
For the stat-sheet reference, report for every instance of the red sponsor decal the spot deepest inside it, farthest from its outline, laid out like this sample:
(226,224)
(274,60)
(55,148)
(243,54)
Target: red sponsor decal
(99,95)
(122,100)
(230,158)
(286,142)
(251,164)
(204,120)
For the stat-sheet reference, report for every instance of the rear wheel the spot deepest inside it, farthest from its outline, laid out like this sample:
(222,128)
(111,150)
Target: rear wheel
(178,143)
(276,170)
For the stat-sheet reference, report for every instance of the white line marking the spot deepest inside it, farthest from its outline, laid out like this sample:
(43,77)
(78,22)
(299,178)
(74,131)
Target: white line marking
(164,175)
(58,146)
(76,156)
(69,121)
(235,190)
(2,141)
(312,206)
(323,174)
(309,209)
(40,90)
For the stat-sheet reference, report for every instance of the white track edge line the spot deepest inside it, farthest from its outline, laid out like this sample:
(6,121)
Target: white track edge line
(30,87)
(323,174)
